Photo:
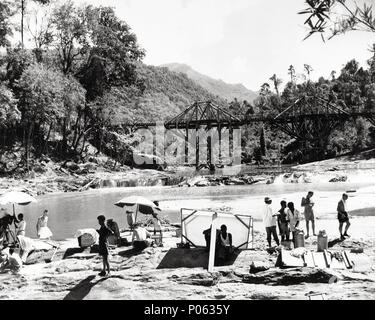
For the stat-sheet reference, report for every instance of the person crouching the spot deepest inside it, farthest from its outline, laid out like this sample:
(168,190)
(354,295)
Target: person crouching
(141,238)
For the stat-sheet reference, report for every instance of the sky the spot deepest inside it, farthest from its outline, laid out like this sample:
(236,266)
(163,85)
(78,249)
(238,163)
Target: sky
(238,41)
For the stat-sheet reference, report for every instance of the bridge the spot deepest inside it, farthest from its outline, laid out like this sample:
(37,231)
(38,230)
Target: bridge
(309,119)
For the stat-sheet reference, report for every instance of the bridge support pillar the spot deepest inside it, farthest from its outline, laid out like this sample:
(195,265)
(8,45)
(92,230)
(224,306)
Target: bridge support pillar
(186,145)
(154,142)
(209,151)
(196,148)
(230,142)
(219,132)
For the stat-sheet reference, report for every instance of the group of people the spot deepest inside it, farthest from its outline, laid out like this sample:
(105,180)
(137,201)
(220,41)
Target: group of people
(288,218)
(6,221)
(9,258)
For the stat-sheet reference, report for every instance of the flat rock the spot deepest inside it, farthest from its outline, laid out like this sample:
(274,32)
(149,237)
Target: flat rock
(294,276)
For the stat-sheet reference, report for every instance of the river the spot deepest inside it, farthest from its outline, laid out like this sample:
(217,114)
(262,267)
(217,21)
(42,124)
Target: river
(71,211)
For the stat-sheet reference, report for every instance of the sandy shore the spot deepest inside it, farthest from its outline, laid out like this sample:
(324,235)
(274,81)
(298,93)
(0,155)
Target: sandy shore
(171,273)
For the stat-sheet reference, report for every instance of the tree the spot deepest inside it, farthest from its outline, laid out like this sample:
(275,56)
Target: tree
(263,146)
(322,16)
(333,75)
(71,35)
(308,70)
(40,29)
(113,56)
(292,73)
(6,12)
(23,11)
(9,113)
(40,101)
(276,83)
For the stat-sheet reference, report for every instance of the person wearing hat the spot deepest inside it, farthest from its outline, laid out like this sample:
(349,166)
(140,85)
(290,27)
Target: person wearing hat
(270,221)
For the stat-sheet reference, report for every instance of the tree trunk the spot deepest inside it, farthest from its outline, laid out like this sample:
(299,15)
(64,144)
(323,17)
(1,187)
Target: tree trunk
(47,138)
(28,143)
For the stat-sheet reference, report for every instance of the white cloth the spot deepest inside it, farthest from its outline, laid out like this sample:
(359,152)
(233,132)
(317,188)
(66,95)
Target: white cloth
(225,242)
(26,243)
(44,233)
(298,252)
(141,234)
(293,218)
(15,261)
(21,228)
(268,219)
(345,205)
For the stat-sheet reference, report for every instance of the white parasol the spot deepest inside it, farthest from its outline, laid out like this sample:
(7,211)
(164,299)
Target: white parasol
(143,205)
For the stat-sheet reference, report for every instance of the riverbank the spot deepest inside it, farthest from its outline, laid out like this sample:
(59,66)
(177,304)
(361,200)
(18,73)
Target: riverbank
(51,178)
(171,273)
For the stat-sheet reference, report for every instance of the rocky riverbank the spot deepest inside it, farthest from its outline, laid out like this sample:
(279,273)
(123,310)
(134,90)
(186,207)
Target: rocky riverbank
(48,176)
(172,273)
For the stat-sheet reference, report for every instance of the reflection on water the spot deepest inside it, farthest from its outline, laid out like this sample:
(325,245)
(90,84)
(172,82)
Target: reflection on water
(72,211)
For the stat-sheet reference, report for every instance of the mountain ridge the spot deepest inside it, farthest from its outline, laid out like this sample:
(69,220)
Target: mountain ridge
(227,91)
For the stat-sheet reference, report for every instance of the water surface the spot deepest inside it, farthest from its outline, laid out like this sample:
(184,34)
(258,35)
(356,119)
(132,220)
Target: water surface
(72,211)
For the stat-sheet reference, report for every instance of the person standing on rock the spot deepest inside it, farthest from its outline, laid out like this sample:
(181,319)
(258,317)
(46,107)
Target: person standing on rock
(342,216)
(104,232)
(269,220)
(308,205)
(42,229)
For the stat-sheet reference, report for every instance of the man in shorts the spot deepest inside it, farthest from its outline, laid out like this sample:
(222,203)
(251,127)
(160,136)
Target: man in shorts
(308,205)
(342,216)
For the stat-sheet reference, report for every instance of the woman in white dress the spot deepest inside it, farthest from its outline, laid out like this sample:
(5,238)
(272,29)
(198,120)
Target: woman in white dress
(41,227)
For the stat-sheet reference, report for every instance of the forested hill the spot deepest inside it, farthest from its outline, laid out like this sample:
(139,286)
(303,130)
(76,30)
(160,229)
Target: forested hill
(165,94)
(217,87)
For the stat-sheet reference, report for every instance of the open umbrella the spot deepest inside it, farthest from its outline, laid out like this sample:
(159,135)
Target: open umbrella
(143,205)
(15,197)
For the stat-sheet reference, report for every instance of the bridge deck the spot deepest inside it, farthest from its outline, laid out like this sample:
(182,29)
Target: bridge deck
(271,119)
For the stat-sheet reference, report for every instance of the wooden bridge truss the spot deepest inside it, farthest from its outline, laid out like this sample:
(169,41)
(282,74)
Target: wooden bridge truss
(309,119)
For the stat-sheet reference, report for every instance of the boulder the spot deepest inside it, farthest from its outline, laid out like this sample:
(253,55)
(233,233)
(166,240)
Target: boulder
(40,169)
(72,166)
(258,266)
(89,166)
(339,179)
(276,276)
(200,279)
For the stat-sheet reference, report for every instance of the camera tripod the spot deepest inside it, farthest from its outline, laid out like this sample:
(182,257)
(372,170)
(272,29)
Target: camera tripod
(8,233)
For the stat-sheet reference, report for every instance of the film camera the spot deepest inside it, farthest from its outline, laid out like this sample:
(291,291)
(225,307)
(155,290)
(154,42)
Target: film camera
(5,231)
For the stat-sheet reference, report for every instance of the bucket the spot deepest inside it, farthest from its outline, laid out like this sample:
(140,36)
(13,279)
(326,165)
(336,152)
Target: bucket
(286,244)
(322,241)
(299,239)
